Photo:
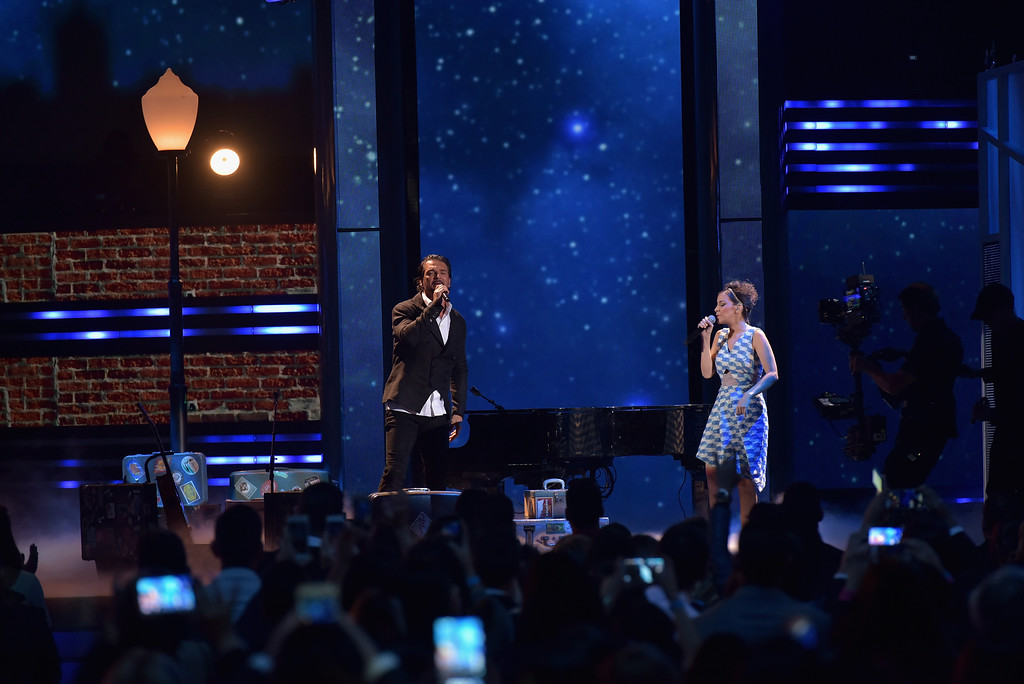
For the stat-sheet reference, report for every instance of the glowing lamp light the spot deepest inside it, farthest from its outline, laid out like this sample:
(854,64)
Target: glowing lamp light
(224,162)
(170,109)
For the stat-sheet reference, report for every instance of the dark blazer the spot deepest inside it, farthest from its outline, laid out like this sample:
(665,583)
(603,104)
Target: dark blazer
(421,362)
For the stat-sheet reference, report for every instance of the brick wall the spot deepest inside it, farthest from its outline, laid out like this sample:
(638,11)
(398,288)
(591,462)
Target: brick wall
(26,267)
(121,264)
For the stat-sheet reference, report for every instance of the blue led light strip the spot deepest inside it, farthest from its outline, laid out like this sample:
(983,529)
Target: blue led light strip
(257,330)
(75,484)
(875,168)
(868,104)
(875,125)
(150,312)
(157,332)
(805,189)
(57,315)
(871,147)
(238,439)
(263,460)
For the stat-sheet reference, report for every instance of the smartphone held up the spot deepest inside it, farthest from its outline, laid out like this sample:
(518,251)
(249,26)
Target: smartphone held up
(459,654)
(165,594)
(643,570)
(885,536)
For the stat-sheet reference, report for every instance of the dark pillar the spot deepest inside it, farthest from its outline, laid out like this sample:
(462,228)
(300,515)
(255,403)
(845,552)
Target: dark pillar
(398,160)
(331,410)
(700,173)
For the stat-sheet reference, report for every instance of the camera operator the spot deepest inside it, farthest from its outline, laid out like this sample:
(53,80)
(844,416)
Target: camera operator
(923,386)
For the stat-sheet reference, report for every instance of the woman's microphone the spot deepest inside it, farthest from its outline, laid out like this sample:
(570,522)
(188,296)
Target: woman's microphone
(696,333)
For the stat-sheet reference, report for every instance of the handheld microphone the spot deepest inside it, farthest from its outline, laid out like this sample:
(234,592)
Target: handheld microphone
(444,296)
(696,333)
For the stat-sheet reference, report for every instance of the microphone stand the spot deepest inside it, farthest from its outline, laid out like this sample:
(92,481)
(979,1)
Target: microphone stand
(273,438)
(177,522)
(477,392)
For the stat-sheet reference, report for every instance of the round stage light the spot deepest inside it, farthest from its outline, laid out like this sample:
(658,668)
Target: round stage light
(224,162)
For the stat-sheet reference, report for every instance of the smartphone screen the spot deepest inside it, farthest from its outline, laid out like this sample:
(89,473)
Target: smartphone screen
(362,511)
(643,570)
(453,530)
(335,524)
(459,648)
(876,480)
(318,602)
(297,529)
(165,594)
(910,498)
(885,536)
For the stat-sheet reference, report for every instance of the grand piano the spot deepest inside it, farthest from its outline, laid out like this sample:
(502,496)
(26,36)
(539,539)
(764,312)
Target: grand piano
(532,445)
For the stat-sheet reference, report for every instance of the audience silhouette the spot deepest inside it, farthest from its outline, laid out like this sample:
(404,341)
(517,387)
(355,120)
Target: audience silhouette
(26,641)
(604,605)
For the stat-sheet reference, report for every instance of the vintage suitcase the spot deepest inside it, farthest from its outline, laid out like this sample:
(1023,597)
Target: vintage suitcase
(113,519)
(544,534)
(187,469)
(249,485)
(417,507)
(547,502)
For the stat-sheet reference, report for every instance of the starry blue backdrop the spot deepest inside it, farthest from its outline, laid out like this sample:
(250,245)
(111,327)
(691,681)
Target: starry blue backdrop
(551,175)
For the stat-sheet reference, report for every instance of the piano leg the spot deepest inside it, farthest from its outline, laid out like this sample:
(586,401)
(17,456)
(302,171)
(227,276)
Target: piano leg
(699,492)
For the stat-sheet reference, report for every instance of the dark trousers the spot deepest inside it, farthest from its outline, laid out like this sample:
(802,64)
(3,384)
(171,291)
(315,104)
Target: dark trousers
(420,440)
(1005,465)
(913,456)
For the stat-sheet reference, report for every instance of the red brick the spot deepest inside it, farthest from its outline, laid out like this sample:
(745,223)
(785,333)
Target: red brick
(226,372)
(80,289)
(20,238)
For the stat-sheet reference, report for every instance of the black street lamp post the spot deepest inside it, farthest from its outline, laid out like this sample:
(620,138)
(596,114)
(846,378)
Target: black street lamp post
(170,109)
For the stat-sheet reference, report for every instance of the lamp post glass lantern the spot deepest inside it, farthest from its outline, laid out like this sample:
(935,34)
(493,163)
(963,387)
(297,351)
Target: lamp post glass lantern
(170,109)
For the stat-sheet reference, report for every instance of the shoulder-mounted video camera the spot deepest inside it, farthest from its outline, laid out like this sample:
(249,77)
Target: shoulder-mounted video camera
(855,313)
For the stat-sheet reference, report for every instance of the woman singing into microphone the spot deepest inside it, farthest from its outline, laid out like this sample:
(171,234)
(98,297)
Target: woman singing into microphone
(737,427)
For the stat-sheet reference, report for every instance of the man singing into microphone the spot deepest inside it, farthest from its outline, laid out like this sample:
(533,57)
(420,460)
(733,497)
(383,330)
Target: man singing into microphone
(425,395)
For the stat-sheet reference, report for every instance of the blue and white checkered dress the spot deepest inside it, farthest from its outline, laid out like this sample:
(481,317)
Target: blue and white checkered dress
(727,434)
